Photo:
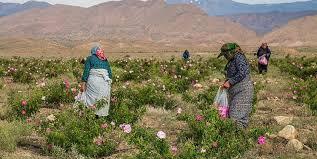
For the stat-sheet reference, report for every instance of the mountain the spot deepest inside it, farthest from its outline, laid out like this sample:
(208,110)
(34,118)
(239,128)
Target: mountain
(229,7)
(263,23)
(11,8)
(300,32)
(132,20)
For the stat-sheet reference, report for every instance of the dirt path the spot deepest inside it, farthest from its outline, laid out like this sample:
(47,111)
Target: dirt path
(275,99)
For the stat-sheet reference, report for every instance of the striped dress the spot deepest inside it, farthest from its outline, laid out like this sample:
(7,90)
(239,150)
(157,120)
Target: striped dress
(241,90)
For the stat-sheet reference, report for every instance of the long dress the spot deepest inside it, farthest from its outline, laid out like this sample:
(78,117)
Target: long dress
(241,90)
(98,87)
(97,75)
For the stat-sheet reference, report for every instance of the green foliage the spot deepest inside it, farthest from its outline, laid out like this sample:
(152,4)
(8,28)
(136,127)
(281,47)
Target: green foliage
(54,93)
(138,83)
(33,102)
(60,153)
(130,104)
(58,92)
(80,129)
(28,70)
(305,84)
(11,133)
(149,144)
(213,137)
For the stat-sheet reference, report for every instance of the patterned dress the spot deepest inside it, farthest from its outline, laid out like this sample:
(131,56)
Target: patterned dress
(241,90)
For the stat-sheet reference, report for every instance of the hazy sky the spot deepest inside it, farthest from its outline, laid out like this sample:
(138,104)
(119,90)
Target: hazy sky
(86,3)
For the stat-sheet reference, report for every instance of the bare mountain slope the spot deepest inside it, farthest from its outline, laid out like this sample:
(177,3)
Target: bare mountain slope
(152,20)
(299,32)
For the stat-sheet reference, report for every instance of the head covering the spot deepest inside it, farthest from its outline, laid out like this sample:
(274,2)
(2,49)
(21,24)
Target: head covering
(264,45)
(229,50)
(97,51)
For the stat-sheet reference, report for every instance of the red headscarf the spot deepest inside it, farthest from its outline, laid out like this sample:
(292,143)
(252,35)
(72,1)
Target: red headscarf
(99,53)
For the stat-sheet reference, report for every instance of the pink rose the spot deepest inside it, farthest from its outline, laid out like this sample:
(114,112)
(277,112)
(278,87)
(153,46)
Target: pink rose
(23,112)
(199,117)
(261,140)
(104,126)
(174,149)
(98,141)
(93,107)
(126,128)
(24,103)
(67,84)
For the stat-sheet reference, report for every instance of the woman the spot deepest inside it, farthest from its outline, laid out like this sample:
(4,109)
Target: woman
(238,83)
(263,52)
(96,81)
(186,55)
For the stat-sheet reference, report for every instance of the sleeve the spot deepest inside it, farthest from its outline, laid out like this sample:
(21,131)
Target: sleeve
(258,53)
(86,70)
(242,70)
(268,55)
(109,70)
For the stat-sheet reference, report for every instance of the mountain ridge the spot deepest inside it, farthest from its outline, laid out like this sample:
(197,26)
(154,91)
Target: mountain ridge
(263,23)
(12,8)
(229,7)
(152,20)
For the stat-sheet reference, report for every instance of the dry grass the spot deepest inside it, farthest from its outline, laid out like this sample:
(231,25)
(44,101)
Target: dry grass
(274,101)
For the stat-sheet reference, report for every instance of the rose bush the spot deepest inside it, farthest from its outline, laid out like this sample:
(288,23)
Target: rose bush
(137,85)
(304,85)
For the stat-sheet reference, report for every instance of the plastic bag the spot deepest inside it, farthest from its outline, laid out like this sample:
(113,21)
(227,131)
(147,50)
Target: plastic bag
(263,60)
(221,102)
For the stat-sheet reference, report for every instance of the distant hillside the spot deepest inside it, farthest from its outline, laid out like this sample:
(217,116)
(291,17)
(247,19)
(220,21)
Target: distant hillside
(229,7)
(151,20)
(299,32)
(11,8)
(264,23)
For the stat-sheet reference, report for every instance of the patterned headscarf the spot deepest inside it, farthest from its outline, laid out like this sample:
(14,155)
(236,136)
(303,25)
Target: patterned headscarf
(97,51)
(229,50)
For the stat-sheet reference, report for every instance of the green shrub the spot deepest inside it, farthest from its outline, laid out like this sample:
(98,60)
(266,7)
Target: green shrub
(131,103)
(60,153)
(59,92)
(213,137)
(149,144)
(305,71)
(80,129)
(54,93)
(32,99)
(11,133)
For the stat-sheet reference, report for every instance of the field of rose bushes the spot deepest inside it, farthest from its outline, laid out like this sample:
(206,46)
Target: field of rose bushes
(41,96)
(304,74)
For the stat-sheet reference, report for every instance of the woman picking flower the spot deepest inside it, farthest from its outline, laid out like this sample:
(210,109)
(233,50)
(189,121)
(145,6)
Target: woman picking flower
(96,81)
(238,83)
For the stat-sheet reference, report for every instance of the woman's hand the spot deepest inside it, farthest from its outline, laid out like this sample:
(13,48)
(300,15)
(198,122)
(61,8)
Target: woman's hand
(83,87)
(226,85)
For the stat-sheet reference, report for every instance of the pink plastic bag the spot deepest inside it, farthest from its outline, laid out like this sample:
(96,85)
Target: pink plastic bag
(263,60)
(221,102)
